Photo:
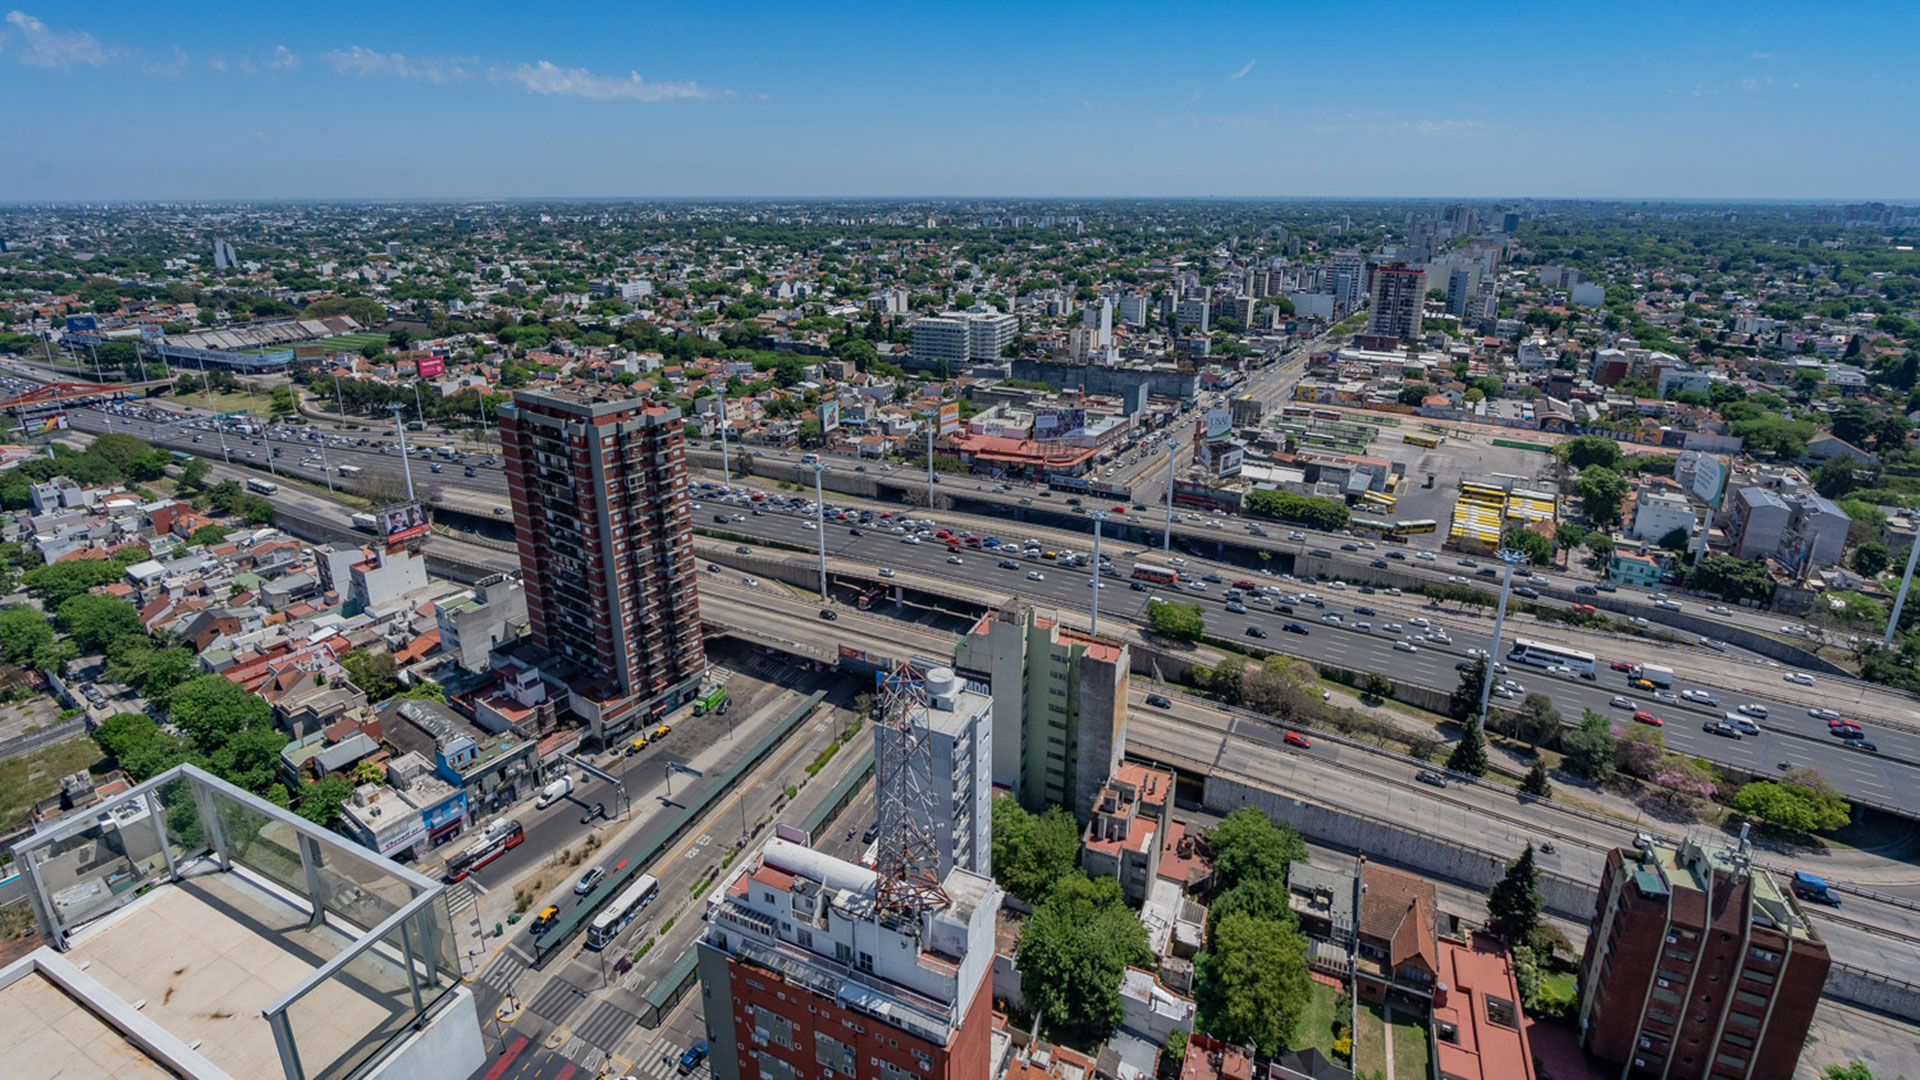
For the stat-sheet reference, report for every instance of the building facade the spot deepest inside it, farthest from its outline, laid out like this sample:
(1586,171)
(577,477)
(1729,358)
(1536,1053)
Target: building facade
(1398,294)
(1698,965)
(802,974)
(600,510)
(959,731)
(976,335)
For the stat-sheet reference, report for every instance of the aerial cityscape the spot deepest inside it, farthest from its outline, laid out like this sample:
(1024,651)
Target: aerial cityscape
(658,612)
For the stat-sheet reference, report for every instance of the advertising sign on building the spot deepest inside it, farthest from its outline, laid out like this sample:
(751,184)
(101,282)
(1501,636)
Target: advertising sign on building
(431,367)
(82,324)
(309,351)
(1058,423)
(1219,423)
(949,417)
(403,523)
(829,416)
(151,332)
(1702,474)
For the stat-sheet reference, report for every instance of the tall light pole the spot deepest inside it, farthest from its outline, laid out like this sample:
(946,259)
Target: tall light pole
(1900,600)
(933,424)
(1166,534)
(726,470)
(820,524)
(418,412)
(406,466)
(1512,558)
(1098,516)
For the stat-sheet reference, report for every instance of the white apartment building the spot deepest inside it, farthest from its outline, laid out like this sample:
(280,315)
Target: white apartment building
(1191,314)
(1657,513)
(961,337)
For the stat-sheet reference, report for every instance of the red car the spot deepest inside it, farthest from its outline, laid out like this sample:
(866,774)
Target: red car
(1584,609)
(1645,717)
(1243,583)
(1294,738)
(1621,665)
(1119,509)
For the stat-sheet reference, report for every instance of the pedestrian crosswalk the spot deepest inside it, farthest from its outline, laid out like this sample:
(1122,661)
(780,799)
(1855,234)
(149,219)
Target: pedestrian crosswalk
(605,1024)
(460,897)
(500,975)
(662,1062)
(556,1000)
(584,1054)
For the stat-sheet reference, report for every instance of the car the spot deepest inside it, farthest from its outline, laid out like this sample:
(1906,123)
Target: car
(1720,728)
(1035,575)
(886,571)
(1294,738)
(1819,713)
(1137,586)
(1425,556)
(1799,678)
(1392,627)
(910,539)
(1290,536)
(1419,621)
(1349,547)
(1212,579)
(1863,745)
(1321,553)
(1752,709)
(743,550)
(588,880)
(1666,697)
(1399,555)
(1746,726)
(1529,593)
(695,1054)
(750,582)
(1008,564)
(1644,717)
(1236,607)
(1364,609)
(1256,632)
(1294,628)
(1586,590)
(1404,645)
(1642,841)
(597,810)
(855,531)
(541,922)
(1331,617)
(1699,697)
(1847,731)
(1620,702)
(953,560)
(1428,776)
(1621,665)
(1606,586)
(1719,609)
(1159,701)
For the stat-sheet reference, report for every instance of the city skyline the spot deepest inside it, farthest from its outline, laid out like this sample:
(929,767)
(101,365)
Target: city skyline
(1235,101)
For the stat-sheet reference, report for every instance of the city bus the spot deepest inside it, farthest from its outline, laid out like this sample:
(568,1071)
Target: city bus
(710,701)
(1428,441)
(500,835)
(1378,500)
(625,907)
(1415,525)
(264,487)
(1154,574)
(1541,654)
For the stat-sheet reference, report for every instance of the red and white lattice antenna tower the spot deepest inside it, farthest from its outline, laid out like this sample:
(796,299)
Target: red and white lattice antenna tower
(908,860)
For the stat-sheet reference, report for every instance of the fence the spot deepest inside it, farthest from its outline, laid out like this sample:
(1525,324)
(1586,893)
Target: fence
(34,740)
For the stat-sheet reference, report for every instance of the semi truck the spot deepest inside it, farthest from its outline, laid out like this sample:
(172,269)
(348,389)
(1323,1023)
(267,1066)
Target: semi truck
(1660,678)
(554,792)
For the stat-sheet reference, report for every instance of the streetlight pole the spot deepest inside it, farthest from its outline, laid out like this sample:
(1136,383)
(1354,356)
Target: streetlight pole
(1098,516)
(1900,600)
(933,423)
(406,466)
(726,470)
(820,524)
(1166,534)
(418,412)
(1512,558)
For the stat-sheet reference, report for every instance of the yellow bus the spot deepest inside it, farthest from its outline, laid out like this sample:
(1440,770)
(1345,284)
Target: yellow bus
(1417,525)
(1378,500)
(1429,441)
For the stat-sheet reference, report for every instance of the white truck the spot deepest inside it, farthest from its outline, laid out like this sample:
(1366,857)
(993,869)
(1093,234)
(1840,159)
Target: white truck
(554,792)
(363,520)
(1660,678)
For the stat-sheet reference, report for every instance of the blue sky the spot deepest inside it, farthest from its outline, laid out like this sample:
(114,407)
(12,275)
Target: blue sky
(219,100)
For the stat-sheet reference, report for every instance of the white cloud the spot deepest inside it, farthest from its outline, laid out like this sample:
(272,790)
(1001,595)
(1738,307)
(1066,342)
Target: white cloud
(50,48)
(366,62)
(174,64)
(1763,56)
(284,59)
(1242,73)
(547,78)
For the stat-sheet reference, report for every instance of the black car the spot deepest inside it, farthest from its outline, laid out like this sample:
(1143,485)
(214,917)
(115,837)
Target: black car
(1399,555)
(1284,609)
(1295,628)
(1256,631)
(1720,728)
(829,614)
(1362,609)
(1009,564)
(1606,586)
(1587,590)
(722,518)
(1428,776)
(597,810)
(1527,591)
(1138,586)
(1321,552)
(1863,744)
(1349,547)
(855,532)
(1487,571)
(872,831)
(1378,564)
(1464,665)
(1159,702)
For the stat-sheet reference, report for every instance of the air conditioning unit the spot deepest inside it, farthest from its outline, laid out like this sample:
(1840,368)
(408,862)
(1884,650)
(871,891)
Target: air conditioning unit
(1662,983)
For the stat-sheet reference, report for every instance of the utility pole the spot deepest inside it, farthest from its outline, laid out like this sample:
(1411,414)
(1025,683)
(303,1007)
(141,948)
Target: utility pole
(1512,558)
(405,465)
(1166,534)
(933,422)
(726,470)
(1900,600)
(820,525)
(1098,517)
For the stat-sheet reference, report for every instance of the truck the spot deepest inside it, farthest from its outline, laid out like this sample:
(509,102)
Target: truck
(363,520)
(1808,887)
(554,792)
(1660,678)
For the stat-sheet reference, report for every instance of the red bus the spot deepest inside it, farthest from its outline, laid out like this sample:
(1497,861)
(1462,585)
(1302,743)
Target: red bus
(1158,575)
(500,836)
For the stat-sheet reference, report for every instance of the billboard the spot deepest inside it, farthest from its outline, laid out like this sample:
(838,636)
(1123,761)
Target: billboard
(309,352)
(400,524)
(82,324)
(1058,423)
(1219,423)
(829,416)
(949,417)
(151,332)
(1702,474)
(431,367)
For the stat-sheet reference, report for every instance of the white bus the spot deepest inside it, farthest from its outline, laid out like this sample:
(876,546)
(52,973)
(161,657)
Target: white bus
(624,909)
(349,470)
(1541,654)
(264,487)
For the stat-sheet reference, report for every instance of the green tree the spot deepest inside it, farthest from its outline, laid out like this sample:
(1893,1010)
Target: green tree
(1536,782)
(1584,450)
(1732,578)
(281,402)
(207,536)
(322,801)
(1464,704)
(1675,540)
(1181,622)
(95,622)
(1802,801)
(1254,985)
(1515,902)
(1228,681)
(1870,558)
(1589,749)
(1836,477)
(23,633)
(1469,756)
(193,474)
(1603,491)
(1248,846)
(250,757)
(1538,548)
(211,710)
(1852,1070)
(136,743)
(1032,852)
(372,672)
(1075,950)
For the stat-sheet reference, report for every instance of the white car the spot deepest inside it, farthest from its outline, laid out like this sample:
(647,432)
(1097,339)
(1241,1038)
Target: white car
(1035,575)
(1419,622)
(1391,627)
(1405,646)
(1799,677)
(807,524)
(750,582)
(910,540)
(1699,697)
(1718,609)
(1619,702)
(886,571)
(953,560)
(1296,536)
(1102,585)
(1426,556)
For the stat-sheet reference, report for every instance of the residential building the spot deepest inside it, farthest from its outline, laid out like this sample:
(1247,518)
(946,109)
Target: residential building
(1816,533)
(976,335)
(1193,314)
(802,971)
(1325,902)
(1059,704)
(494,768)
(1133,308)
(1757,517)
(180,949)
(413,810)
(600,509)
(1633,569)
(1127,829)
(1398,296)
(1346,279)
(223,256)
(1397,948)
(1478,1030)
(472,626)
(1698,964)
(958,727)
(1657,513)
